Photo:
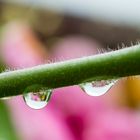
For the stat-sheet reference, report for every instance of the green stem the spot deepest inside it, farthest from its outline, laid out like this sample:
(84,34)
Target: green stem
(120,63)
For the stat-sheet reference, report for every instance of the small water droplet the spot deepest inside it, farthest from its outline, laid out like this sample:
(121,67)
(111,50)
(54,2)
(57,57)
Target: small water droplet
(37,100)
(97,88)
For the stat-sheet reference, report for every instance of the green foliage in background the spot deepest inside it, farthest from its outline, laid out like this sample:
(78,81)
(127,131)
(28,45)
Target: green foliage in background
(7,131)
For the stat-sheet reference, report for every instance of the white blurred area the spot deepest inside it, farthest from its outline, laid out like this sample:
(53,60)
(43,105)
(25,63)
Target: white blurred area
(117,12)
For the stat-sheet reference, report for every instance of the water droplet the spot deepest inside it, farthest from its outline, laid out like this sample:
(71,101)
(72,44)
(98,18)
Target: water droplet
(97,88)
(37,100)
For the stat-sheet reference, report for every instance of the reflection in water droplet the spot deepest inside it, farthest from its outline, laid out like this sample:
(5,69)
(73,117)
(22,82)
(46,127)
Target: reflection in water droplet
(97,88)
(37,100)
(7,70)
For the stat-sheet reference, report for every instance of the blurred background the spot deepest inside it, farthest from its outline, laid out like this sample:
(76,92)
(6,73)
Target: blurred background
(37,32)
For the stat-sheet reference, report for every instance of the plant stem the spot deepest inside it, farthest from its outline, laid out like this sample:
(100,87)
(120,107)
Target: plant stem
(116,64)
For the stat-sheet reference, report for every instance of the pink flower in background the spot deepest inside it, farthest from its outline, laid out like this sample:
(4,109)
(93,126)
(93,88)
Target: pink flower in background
(38,124)
(21,49)
(92,117)
(74,47)
(117,124)
(71,114)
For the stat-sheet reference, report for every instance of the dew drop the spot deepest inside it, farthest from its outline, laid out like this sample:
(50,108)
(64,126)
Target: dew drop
(97,88)
(37,100)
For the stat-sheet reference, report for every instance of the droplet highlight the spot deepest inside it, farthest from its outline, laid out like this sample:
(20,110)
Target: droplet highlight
(37,100)
(5,98)
(97,88)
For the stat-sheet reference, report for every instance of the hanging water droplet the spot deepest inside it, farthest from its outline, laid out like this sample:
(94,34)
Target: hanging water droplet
(37,100)
(97,88)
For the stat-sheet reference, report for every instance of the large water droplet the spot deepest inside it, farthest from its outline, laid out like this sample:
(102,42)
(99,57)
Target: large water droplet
(97,88)
(37,100)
